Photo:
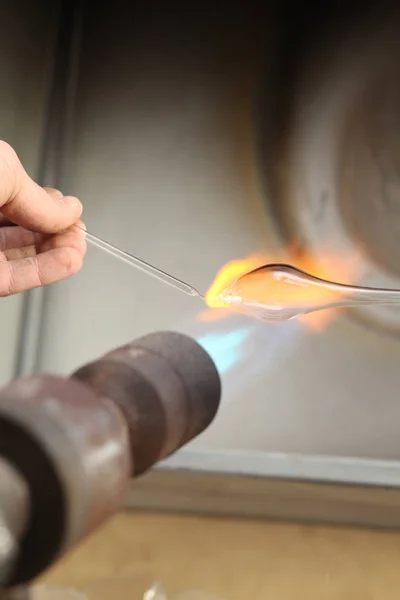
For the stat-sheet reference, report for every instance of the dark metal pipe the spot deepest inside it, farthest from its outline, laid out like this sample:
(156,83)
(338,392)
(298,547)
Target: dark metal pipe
(76,442)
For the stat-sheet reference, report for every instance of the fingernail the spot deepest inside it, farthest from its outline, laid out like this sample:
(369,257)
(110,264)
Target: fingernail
(57,194)
(71,201)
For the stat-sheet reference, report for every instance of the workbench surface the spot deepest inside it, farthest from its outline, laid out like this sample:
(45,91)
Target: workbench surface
(235,559)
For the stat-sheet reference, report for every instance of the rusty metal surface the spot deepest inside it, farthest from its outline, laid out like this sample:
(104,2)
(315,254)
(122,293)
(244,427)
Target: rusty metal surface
(167,387)
(73,450)
(79,440)
(86,438)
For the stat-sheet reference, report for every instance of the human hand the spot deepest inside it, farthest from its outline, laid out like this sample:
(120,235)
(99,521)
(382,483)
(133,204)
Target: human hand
(41,240)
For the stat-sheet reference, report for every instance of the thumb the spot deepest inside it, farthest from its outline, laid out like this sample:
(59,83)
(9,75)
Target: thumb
(27,204)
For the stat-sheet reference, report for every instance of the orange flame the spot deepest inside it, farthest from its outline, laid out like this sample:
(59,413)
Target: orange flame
(326,266)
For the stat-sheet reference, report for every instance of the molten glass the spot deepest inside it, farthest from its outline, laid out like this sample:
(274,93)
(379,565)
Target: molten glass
(279,292)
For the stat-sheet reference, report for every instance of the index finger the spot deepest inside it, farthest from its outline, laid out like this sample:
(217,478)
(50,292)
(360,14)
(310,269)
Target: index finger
(27,204)
(60,257)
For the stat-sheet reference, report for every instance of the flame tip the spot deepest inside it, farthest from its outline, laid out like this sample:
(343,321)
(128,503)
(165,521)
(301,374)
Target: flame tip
(326,266)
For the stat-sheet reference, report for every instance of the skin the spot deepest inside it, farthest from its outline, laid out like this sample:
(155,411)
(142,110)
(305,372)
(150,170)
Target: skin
(41,236)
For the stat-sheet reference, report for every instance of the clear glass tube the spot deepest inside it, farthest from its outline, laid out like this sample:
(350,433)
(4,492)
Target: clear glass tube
(140,264)
(279,292)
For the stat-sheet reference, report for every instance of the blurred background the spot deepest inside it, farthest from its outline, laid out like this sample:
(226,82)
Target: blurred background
(200,133)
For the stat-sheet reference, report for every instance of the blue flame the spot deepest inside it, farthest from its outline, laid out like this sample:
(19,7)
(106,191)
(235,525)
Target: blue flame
(225,349)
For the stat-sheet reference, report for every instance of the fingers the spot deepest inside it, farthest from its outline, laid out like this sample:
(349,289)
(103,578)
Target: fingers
(42,269)
(57,257)
(7,222)
(4,221)
(18,253)
(17,237)
(74,238)
(30,256)
(29,205)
